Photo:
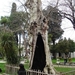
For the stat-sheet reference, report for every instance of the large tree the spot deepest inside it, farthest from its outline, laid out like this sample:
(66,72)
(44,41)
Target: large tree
(39,39)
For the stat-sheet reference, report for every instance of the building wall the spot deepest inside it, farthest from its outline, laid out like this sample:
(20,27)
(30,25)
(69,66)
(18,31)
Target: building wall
(73,55)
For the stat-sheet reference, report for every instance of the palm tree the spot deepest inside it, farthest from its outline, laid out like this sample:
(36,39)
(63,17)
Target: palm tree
(10,48)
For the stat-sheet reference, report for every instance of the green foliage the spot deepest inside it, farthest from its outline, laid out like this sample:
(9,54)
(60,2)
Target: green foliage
(16,20)
(10,48)
(49,38)
(2,66)
(64,69)
(64,46)
(26,66)
(2,52)
(4,20)
(71,45)
(53,49)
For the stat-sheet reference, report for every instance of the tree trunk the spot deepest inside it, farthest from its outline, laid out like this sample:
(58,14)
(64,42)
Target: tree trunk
(25,43)
(19,44)
(40,53)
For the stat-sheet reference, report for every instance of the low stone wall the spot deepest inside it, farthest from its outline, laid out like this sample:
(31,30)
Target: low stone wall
(11,70)
(4,74)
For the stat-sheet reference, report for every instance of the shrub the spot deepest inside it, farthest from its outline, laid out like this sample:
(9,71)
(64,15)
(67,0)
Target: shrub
(10,48)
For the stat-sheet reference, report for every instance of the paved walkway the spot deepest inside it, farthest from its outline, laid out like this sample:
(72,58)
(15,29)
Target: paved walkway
(2,61)
(68,66)
(72,65)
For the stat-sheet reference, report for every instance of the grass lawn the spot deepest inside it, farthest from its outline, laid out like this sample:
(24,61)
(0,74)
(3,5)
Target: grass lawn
(2,66)
(62,60)
(64,69)
(26,66)
(73,60)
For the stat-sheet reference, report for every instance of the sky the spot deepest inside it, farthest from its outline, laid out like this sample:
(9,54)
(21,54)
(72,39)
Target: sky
(69,32)
(5,6)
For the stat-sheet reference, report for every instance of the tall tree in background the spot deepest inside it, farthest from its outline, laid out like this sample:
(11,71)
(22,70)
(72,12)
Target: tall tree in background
(64,46)
(18,24)
(54,22)
(13,21)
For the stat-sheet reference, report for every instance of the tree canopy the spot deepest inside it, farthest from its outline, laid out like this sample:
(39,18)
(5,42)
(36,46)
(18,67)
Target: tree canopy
(64,46)
(54,22)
